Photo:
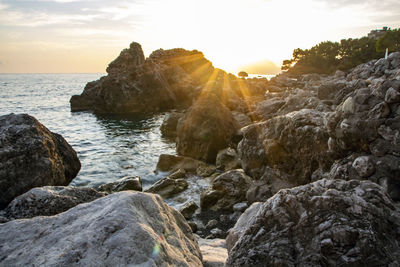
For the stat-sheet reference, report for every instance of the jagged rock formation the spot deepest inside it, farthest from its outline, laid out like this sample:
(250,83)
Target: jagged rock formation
(126,228)
(326,223)
(167,79)
(32,156)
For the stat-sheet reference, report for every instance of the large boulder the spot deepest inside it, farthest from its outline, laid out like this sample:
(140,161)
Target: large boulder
(123,184)
(167,79)
(32,156)
(122,229)
(326,223)
(48,201)
(169,124)
(207,127)
(226,190)
(286,149)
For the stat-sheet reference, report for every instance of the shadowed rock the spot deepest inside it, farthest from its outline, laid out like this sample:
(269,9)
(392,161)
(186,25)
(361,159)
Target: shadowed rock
(32,156)
(167,79)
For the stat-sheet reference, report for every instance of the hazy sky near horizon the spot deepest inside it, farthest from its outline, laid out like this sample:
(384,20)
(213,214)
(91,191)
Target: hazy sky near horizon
(84,36)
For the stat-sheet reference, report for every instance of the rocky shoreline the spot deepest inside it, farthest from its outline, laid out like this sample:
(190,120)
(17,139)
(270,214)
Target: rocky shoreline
(298,170)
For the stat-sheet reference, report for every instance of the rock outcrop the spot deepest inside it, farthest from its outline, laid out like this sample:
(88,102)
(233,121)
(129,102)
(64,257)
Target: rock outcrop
(207,127)
(326,223)
(32,156)
(287,149)
(226,190)
(126,228)
(48,201)
(167,79)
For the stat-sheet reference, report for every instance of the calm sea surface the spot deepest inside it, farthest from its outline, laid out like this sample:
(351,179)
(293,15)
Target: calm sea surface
(109,147)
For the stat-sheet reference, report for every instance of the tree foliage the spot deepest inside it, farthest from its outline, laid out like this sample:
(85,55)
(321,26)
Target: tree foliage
(243,74)
(390,40)
(327,57)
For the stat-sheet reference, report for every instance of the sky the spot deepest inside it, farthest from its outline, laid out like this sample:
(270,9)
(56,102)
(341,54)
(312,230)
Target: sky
(72,36)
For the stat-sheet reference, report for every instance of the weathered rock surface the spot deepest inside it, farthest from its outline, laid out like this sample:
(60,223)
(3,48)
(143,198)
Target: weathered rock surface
(32,156)
(126,228)
(48,201)
(188,209)
(326,223)
(286,150)
(207,127)
(123,184)
(167,79)
(226,190)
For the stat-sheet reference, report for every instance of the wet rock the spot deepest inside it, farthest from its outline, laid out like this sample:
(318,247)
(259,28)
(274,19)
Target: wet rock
(227,159)
(328,222)
(170,122)
(208,126)
(168,187)
(125,228)
(172,163)
(123,184)
(166,79)
(226,190)
(188,209)
(48,201)
(214,252)
(32,156)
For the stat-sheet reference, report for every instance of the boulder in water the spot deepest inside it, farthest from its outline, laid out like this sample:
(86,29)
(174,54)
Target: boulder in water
(32,156)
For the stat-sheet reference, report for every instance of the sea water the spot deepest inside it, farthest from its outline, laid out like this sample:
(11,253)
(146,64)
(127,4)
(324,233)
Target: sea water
(109,147)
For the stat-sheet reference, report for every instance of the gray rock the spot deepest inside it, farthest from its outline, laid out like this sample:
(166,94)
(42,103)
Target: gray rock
(123,184)
(245,221)
(48,201)
(240,207)
(227,159)
(328,223)
(226,190)
(121,229)
(278,144)
(364,166)
(392,96)
(188,209)
(32,156)
(168,187)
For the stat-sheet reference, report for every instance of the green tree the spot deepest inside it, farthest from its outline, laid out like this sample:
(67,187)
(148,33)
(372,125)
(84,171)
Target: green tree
(390,40)
(243,74)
